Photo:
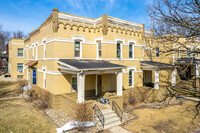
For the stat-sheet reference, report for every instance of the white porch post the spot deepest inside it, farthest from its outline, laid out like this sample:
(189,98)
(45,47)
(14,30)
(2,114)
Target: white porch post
(197,70)
(119,83)
(173,77)
(81,87)
(156,79)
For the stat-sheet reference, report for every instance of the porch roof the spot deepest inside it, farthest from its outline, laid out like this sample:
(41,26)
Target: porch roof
(31,63)
(88,64)
(187,60)
(152,65)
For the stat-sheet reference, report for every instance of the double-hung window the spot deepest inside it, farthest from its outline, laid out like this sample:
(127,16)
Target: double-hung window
(77,49)
(130,50)
(20,67)
(118,50)
(74,83)
(34,77)
(130,78)
(20,52)
(157,52)
(99,49)
(188,53)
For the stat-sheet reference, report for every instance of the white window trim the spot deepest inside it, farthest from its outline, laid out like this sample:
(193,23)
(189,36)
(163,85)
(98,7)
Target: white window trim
(179,54)
(27,52)
(97,42)
(133,48)
(20,56)
(121,49)
(132,78)
(36,50)
(133,69)
(73,76)
(80,48)
(33,52)
(44,47)
(22,69)
(44,77)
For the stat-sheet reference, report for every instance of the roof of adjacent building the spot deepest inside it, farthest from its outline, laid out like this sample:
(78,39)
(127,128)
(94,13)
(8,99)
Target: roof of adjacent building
(155,65)
(89,64)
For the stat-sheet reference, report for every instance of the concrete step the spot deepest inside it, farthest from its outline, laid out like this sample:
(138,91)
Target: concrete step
(110,117)
(108,121)
(113,124)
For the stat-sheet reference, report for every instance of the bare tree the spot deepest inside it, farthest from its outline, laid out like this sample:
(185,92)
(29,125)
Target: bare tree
(176,25)
(19,34)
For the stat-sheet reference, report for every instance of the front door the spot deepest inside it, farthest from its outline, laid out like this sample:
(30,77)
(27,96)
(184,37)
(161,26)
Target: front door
(99,85)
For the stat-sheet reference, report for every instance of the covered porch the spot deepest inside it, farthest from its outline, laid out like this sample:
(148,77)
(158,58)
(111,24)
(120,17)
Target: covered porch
(188,71)
(152,73)
(92,78)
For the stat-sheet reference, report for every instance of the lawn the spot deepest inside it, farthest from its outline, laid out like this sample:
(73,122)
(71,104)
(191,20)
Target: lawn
(21,116)
(172,119)
(8,89)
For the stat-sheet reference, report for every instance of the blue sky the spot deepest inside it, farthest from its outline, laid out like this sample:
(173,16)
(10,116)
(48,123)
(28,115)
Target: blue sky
(27,15)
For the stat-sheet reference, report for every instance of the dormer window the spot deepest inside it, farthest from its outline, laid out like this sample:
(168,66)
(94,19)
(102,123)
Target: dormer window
(77,48)
(119,50)
(99,49)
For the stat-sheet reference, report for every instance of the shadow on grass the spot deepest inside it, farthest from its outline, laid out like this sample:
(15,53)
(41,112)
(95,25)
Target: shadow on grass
(8,89)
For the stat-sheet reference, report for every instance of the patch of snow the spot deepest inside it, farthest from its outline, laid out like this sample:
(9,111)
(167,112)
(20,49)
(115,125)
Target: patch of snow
(74,124)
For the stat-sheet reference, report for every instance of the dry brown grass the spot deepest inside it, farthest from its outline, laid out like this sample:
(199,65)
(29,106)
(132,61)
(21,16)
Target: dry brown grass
(20,116)
(173,119)
(8,89)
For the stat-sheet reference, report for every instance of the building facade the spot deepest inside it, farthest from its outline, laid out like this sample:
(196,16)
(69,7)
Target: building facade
(86,57)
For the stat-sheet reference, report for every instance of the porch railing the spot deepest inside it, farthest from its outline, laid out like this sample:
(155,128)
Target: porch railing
(117,110)
(99,114)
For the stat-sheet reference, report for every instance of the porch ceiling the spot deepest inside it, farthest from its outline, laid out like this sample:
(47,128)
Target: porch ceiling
(152,65)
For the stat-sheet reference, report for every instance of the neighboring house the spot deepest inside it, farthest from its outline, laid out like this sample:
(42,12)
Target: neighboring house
(16,58)
(4,62)
(77,58)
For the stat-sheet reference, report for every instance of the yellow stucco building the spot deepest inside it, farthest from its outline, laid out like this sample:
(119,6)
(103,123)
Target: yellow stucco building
(69,55)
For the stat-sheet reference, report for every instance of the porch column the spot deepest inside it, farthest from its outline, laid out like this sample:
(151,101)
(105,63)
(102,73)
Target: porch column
(173,77)
(197,70)
(81,87)
(156,79)
(119,83)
